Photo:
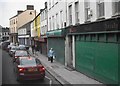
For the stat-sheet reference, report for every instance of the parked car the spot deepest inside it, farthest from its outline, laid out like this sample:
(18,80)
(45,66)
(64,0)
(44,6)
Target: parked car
(12,50)
(20,53)
(1,44)
(22,47)
(9,46)
(28,68)
(5,44)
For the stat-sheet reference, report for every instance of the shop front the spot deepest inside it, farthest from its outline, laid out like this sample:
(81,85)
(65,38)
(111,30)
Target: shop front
(56,40)
(95,49)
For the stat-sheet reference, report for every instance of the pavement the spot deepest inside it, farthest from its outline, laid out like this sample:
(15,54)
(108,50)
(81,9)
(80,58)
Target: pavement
(64,75)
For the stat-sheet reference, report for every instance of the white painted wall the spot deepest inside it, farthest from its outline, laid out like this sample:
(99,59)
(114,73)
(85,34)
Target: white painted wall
(56,8)
(93,7)
(43,26)
(108,9)
(33,32)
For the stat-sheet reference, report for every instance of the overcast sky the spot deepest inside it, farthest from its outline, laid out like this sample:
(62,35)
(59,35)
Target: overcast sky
(8,8)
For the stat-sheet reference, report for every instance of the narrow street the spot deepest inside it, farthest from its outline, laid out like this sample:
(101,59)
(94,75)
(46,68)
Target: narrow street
(8,76)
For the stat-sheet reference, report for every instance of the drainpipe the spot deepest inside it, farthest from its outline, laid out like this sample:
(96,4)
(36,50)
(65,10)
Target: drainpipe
(66,38)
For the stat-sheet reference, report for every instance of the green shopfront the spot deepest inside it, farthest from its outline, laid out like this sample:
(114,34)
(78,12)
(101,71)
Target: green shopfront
(97,49)
(55,40)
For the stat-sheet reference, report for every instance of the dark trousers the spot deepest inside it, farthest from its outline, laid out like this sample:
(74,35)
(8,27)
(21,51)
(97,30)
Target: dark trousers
(51,59)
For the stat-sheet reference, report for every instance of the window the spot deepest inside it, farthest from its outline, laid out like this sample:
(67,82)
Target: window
(100,6)
(61,19)
(87,10)
(14,21)
(70,15)
(57,25)
(45,14)
(49,3)
(116,7)
(50,23)
(52,2)
(77,12)
(53,23)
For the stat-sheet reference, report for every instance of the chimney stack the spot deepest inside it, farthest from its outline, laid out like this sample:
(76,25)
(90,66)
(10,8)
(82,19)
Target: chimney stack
(19,11)
(45,4)
(30,7)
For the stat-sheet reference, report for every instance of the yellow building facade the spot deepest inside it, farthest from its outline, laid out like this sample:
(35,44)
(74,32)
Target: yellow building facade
(37,25)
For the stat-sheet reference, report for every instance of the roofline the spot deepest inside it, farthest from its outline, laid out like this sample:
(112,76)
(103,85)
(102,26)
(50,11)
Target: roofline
(13,16)
(36,16)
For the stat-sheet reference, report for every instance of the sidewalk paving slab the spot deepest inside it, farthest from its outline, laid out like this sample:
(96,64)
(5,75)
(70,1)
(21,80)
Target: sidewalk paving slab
(63,74)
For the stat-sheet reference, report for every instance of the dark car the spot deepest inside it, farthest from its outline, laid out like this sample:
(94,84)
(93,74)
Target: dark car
(28,68)
(20,53)
(5,45)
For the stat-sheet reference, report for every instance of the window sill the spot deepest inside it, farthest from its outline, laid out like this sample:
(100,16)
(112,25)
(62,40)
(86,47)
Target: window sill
(100,18)
(87,21)
(116,15)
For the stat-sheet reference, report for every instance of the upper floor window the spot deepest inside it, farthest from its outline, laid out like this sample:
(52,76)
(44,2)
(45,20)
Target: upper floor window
(100,6)
(70,15)
(49,3)
(45,14)
(50,23)
(52,2)
(77,12)
(61,19)
(116,7)
(14,21)
(87,10)
(53,22)
(57,25)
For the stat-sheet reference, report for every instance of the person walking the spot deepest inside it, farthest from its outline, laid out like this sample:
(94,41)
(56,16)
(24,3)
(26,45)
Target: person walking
(51,54)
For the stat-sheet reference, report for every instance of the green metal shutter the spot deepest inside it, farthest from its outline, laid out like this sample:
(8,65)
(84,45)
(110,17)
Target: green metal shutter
(98,60)
(58,44)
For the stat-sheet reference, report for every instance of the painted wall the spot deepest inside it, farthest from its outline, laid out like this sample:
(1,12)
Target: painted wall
(13,24)
(25,17)
(54,9)
(44,21)
(93,7)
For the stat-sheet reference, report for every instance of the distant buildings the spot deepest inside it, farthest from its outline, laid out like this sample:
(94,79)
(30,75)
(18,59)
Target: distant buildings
(17,21)
(4,33)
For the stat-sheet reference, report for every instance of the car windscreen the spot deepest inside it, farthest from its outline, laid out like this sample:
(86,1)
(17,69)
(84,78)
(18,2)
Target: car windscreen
(27,61)
(15,48)
(21,53)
